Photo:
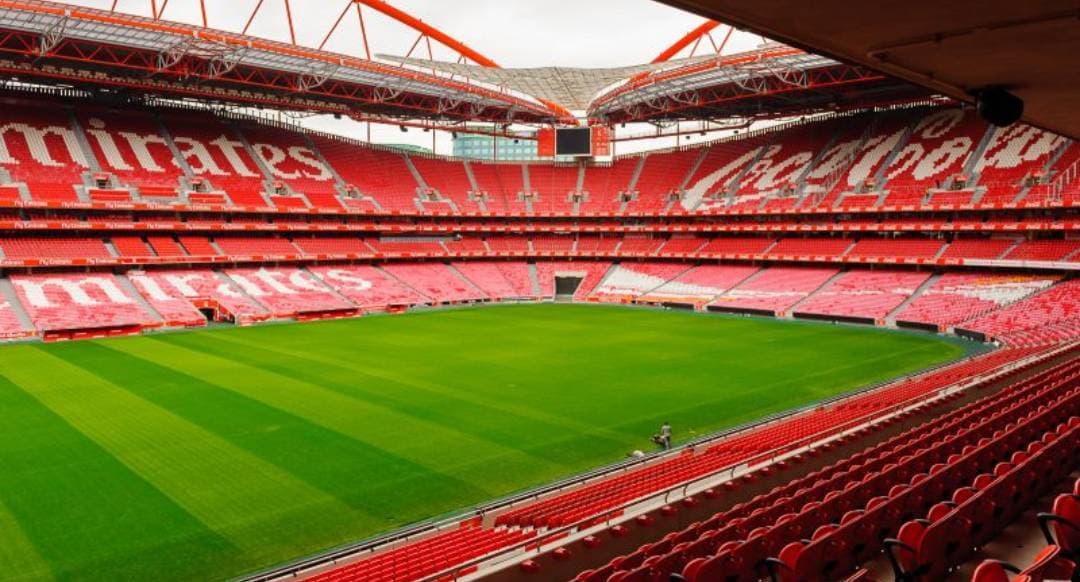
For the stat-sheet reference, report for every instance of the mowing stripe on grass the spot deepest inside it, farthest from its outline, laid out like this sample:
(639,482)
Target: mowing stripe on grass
(231,491)
(327,460)
(401,434)
(19,557)
(453,406)
(85,513)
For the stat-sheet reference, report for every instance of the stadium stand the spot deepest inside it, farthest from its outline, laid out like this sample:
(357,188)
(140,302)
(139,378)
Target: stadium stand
(436,281)
(489,278)
(590,273)
(368,287)
(959,297)
(287,293)
(774,291)
(1050,316)
(823,525)
(869,295)
(77,304)
(700,284)
(41,150)
(629,281)
(796,197)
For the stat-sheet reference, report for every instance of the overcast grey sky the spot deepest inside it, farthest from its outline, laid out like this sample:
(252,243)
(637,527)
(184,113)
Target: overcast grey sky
(514,33)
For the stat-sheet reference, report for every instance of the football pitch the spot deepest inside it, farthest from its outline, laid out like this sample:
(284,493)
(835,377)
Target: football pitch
(211,454)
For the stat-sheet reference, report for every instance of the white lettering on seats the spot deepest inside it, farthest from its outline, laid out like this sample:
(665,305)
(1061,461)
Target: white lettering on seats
(75,289)
(39,150)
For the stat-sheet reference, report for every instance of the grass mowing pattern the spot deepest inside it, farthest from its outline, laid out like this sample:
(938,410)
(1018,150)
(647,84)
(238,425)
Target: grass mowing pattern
(209,454)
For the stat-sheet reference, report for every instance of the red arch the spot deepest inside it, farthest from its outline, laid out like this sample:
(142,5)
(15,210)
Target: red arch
(428,30)
(693,36)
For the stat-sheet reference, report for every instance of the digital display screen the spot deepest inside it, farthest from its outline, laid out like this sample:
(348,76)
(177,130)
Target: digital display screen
(573,142)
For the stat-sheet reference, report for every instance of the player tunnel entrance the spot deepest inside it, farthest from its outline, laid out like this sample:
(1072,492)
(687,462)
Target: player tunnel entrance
(566,286)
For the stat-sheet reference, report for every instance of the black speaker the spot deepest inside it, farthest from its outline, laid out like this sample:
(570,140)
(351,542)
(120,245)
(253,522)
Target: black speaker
(998,106)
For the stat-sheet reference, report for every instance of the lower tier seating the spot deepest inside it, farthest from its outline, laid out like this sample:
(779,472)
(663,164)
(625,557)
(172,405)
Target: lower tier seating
(427,556)
(631,280)
(488,277)
(287,292)
(822,526)
(79,302)
(369,288)
(775,290)
(436,281)
(701,284)
(863,294)
(959,297)
(1041,318)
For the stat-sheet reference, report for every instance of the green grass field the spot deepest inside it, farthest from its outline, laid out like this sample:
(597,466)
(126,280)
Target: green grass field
(210,454)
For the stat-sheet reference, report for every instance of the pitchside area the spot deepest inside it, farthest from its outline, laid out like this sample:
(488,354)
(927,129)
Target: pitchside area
(211,454)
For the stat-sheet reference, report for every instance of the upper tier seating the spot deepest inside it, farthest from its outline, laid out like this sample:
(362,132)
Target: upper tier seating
(723,164)
(215,152)
(436,281)
(368,287)
(937,149)
(290,159)
(775,290)
(1014,153)
(958,297)
(43,151)
(450,179)
(287,292)
(130,145)
(380,174)
(786,160)
(867,159)
(863,294)
(503,183)
(604,184)
(553,184)
(78,302)
(662,173)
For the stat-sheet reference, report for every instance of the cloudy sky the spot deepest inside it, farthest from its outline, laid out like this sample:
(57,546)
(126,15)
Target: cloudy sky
(514,33)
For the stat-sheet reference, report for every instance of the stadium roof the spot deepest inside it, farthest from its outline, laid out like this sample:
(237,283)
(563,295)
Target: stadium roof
(54,42)
(572,87)
(955,47)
